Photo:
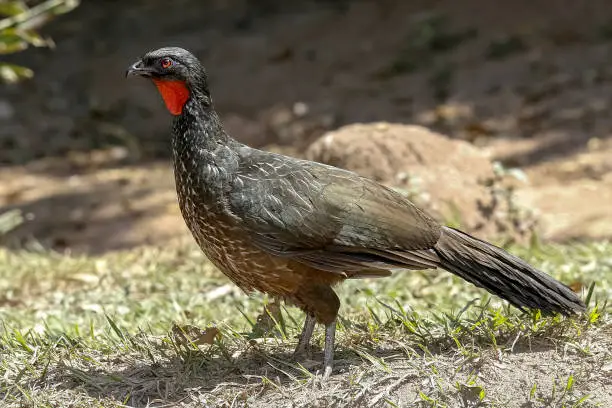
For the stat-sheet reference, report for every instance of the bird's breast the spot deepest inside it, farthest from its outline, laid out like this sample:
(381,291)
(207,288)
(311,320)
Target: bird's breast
(226,244)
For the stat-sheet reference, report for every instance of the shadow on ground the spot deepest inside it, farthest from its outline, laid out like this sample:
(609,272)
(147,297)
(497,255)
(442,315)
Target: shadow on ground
(175,379)
(472,70)
(93,212)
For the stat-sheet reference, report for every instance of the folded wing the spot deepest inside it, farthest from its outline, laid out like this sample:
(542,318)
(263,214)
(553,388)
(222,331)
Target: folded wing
(331,219)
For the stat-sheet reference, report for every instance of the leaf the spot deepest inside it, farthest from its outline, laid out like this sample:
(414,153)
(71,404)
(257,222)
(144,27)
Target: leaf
(11,41)
(590,293)
(576,286)
(10,220)
(193,335)
(12,8)
(13,73)
(570,383)
(33,38)
(22,341)
(65,7)
(532,393)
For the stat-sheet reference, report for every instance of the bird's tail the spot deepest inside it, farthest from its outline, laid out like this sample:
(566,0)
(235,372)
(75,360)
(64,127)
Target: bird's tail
(503,274)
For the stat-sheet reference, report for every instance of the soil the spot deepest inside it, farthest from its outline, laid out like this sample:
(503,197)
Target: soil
(451,179)
(83,152)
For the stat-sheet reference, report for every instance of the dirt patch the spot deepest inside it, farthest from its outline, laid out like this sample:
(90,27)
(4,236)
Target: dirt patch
(94,207)
(533,373)
(570,196)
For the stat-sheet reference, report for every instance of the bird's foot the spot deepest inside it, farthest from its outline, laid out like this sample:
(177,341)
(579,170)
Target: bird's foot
(303,343)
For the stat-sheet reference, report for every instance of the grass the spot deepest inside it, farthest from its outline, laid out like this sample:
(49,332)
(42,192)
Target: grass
(118,330)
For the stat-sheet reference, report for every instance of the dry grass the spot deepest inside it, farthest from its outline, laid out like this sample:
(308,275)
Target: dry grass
(98,332)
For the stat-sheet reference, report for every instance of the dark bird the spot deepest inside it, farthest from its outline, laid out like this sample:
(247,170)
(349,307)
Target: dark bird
(295,228)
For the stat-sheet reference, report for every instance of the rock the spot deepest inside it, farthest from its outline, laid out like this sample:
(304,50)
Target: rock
(455,181)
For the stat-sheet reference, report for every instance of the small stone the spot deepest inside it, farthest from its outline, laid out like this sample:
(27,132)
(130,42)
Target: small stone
(300,109)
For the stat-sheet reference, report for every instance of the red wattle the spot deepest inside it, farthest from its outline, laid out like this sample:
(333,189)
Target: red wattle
(174,93)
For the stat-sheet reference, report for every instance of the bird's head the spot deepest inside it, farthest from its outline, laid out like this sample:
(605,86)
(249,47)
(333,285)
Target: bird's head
(177,74)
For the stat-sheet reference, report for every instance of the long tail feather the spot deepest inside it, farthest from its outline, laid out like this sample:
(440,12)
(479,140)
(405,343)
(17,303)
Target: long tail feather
(503,274)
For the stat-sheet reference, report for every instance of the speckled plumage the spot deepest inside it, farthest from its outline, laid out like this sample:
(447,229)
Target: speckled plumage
(210,178)
(293,228)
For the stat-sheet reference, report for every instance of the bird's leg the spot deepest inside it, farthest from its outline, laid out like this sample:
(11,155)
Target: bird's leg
(328,359)
(323,304)
(306,335)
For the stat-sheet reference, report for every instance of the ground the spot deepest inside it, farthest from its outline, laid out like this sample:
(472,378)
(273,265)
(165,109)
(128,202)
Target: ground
(83,156)
(127,329)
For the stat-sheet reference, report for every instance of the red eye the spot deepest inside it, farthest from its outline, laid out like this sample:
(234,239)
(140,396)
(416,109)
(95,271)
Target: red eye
(166,63)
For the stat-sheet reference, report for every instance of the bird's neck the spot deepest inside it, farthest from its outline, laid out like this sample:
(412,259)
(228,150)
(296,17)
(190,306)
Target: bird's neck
(198,127)
(205,156)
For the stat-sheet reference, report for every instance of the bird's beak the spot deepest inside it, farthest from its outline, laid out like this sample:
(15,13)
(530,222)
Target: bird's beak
(138,69)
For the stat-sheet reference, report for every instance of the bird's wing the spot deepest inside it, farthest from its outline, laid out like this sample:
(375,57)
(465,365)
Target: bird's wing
(330,218)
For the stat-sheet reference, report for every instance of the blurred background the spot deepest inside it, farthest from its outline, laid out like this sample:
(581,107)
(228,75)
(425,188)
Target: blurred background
(494,116)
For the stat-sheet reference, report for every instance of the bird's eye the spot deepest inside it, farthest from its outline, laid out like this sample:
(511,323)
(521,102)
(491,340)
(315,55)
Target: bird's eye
(166,63)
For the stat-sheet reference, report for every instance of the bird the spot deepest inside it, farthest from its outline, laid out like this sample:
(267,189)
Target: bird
(294,229)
